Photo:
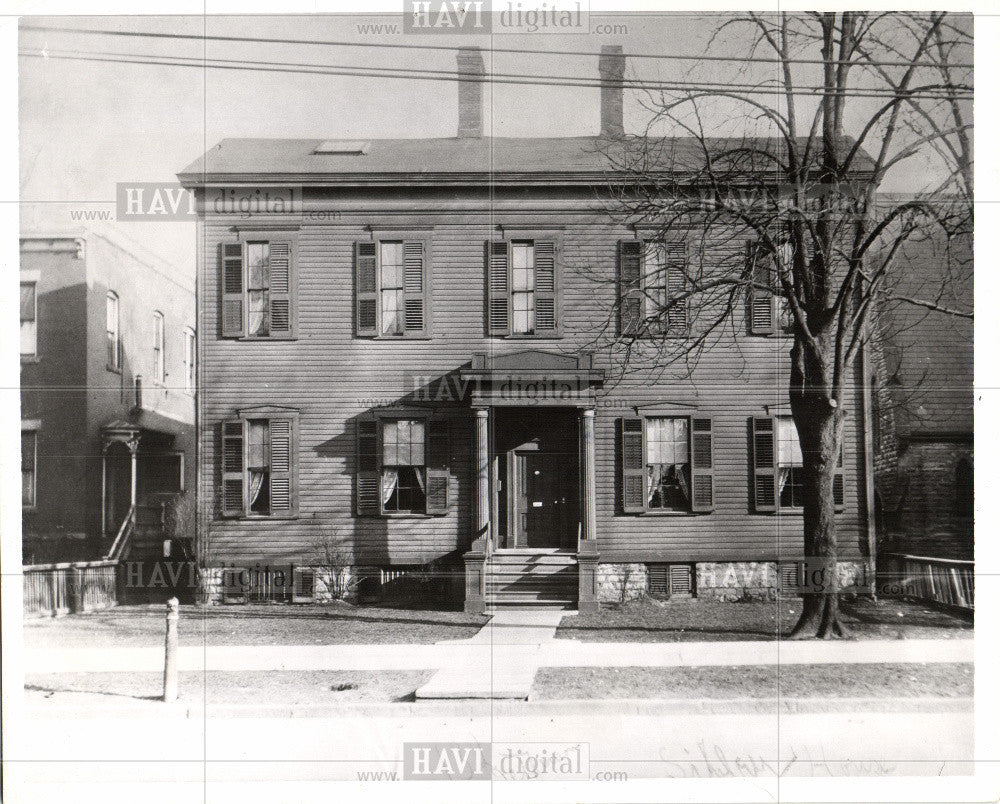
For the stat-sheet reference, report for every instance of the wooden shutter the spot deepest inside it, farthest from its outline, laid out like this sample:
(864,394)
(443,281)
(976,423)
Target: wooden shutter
(498,288)
(280,431)
(681,580)
(365,291)
(232,290)
(414,287)
(702,471)
(629,290)
(838,481)
(545,286)
(303,585)
(676,262)
(438,457)
(232,468)
(657,579)
(764,468)
(761,300)
(280,268)
(369,486)
(633,436)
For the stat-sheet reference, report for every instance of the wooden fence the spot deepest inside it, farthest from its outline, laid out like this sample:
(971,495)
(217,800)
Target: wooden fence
(949,582)
(54,589)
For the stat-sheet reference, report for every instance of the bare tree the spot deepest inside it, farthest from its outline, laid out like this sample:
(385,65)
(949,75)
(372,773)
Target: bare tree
(781,214)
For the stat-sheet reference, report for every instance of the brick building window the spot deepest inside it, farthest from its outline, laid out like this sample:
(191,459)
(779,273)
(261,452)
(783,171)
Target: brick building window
(29,319)
(113,336)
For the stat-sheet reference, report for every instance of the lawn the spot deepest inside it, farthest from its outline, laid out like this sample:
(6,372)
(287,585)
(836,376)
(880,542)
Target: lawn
(280,688)
(694,620)
(758,681)
(333,624)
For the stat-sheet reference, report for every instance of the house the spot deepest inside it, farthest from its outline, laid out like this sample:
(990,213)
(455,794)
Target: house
(108,351)
(922,375)
(397,361)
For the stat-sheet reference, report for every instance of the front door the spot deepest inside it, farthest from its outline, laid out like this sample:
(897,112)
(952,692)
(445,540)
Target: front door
(542,501)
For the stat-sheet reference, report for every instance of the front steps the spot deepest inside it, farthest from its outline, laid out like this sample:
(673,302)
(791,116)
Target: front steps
(531,579)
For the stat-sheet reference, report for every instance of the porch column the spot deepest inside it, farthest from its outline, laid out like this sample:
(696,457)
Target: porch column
(586,556)
(482,472)
(133,448)
(588,511)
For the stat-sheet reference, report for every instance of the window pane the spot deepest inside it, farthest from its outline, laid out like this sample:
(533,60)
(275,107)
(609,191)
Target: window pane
(257,453)
(402,443)
(258,312)
(392,312)
(524,312)
(257,266)
(27,301)
(29,343)
(789,452)
(112,314)
(391,265)
(667,441)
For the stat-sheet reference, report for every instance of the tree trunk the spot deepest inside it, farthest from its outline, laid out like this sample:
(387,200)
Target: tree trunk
(819,424)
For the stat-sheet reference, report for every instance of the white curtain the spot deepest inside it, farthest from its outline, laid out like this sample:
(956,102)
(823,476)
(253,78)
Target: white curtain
(390,478)
(420,479)
(256,482)
(678,471)
(784,472)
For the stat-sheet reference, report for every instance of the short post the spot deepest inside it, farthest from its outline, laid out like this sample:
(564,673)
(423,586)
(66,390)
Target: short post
(170,652)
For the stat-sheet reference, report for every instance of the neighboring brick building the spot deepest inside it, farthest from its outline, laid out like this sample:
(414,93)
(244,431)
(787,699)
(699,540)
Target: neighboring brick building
(923,423)
(107,379)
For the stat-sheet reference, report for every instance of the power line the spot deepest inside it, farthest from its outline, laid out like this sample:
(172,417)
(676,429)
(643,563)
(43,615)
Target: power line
(452,48)
(422,74)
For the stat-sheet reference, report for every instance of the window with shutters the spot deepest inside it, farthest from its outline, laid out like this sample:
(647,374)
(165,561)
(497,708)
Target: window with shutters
(257,289)
(521,288)
(258,456)
(667,464)
(651,284)
(29,478)
(29,319)
(402,466)
(390,278)
(777,462)
(769,311)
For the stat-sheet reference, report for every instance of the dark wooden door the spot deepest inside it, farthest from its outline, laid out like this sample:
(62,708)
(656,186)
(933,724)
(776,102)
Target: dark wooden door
(543,501)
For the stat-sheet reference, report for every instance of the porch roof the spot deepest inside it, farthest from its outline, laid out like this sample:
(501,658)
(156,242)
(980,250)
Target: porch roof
(532,377)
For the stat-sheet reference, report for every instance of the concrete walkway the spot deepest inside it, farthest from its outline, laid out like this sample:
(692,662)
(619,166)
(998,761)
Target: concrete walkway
(530,641)
(515,639)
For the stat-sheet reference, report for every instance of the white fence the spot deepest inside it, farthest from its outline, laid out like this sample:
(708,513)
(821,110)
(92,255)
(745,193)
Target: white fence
(949,582)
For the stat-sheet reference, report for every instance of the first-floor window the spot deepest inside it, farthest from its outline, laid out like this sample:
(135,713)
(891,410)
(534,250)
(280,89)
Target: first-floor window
(789,461)
(257,460)
(668,464)
(29,442)
(403,480)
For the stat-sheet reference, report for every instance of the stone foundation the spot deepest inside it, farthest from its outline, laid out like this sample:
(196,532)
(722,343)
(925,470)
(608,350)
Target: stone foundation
(620,583)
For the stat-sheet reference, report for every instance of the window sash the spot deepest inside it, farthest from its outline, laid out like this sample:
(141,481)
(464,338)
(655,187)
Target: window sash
(189,360)
(787,437)
(113,350)
(29,467)
(158,362)
(668,463)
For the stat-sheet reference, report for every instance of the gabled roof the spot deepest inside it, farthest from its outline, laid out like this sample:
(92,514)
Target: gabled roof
(447,160)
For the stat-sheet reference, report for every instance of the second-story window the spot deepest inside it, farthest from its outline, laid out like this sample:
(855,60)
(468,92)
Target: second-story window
(651,288)
(190,358)
(390,288)
(29,319)
(159,370)
(521,288)
(113,337)
(257,289)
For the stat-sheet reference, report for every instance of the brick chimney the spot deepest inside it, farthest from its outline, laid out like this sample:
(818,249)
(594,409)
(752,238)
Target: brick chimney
(612,69)
(470,92)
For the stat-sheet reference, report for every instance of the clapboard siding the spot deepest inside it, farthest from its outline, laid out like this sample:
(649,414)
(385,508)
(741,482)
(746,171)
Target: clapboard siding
(332,377)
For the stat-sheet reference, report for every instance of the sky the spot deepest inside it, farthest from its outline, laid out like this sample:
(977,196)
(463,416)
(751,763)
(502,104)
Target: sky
(86,126)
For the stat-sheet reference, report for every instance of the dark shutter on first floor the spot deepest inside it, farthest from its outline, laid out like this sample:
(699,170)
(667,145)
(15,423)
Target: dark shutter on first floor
(764,469)
(281,441)
(629,290)
(545,286)
(702,469)
(368,497)
(761,300)
(438,458)
(365,296)
(280,268)
(633,451)
(497,288)
(232,468)
(232,256)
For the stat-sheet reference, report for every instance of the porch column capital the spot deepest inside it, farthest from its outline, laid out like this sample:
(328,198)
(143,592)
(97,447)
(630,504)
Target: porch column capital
(482,413)
(587,413)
